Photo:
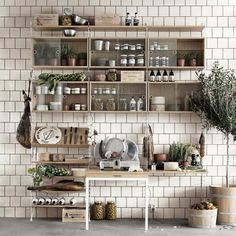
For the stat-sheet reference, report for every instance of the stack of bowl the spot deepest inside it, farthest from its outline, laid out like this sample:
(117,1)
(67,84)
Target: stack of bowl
(158,103)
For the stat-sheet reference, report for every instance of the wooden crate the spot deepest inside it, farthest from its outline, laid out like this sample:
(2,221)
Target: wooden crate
(132,76)
(46,20)
(73,215)
(107,20)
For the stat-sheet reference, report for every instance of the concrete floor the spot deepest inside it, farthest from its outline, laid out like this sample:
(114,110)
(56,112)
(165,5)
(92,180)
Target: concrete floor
(44,227)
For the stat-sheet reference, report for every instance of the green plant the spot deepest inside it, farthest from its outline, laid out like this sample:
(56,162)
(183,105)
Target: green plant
(82,56)
(181,55)
(64,50)
(71,53)
(40,171)
(179,152)
(194,55)
(53,52)
(215,102)
(40,50)
(52,79)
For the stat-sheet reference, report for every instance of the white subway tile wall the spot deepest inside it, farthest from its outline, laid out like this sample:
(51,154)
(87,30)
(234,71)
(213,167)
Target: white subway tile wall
(170,195)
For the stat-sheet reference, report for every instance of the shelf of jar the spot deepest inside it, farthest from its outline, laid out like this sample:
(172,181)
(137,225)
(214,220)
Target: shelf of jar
(175,67)
(119,111)
(176,28)
(77,38)
(80,205)
(174,82)
(34,144)
(76,162)
(116,82)
(56,111)
(117,67)
(139,51)
(186,112)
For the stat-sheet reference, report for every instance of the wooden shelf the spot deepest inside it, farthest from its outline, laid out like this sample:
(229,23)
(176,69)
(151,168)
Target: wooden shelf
(175,67)
(191,28)
(117,67)
(57,191)
(82,161)
(51,111)
(59,67)
(175,82)
(34,144)
(183,112)
(80,205)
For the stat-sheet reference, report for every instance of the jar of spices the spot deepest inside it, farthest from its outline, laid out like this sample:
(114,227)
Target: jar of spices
(83,107)
(131,60)
(111,105)
(140,60)
(123,60)
(139,46)
(95,91)
(98,104)
(112,75)
(113,91)
(150,61)
(108,91)
(124,46)
(123,104)
(83,90)
(99,91)
(132,47)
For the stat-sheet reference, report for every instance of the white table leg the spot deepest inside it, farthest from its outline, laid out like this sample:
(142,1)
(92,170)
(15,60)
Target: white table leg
(87,204)
(146,205)
(31,213)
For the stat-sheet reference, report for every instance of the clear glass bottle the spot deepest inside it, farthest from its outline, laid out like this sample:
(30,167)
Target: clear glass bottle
(150,61)
(110,104)
(132,104)
(158,76)
(140,104)
(136,19)
(165,76)
(171,76)
(152,76)
(128,19)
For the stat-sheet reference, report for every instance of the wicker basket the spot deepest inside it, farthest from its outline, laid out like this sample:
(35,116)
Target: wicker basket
(110,211)
(98,211)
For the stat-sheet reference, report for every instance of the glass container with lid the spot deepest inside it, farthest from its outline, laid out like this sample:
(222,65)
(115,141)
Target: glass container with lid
(131,60)
(110,104)
(123,104)
(140,60)
(98,104)
(112,75)
(123,60)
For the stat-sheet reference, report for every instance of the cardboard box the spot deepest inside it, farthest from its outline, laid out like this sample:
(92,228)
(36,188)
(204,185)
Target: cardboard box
(46,20)
(73,215)
(132,76)
(107,20)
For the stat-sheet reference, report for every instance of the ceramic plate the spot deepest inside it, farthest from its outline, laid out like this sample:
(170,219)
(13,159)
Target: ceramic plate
(48,135)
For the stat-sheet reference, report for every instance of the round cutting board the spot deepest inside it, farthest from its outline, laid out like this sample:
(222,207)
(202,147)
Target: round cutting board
(48,135)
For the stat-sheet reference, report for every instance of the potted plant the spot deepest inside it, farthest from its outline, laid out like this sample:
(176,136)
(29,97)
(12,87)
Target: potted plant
(82,59)
(178,153)
(64,54)
(53,54)
(71,57)
(193,58)
(215,102)
(40,53)
(202,215)
(181,58)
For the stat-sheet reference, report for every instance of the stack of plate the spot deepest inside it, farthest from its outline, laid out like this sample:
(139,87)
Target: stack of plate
(158,103)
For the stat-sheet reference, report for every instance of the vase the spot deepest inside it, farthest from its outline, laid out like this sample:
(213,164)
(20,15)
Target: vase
(71,61)
(180,62)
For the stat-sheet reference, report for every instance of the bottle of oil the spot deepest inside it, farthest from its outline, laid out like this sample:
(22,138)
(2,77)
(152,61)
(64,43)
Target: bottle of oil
(128,20)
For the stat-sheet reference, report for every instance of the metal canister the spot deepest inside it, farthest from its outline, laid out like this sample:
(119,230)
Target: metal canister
(111,211)
(97,211)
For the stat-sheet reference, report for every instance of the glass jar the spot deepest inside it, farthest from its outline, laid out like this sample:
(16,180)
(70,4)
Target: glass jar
(98,104)
(95,91)
(123,104)
(157,61)
(83,107)
(132,47)
(83,90)
(140,60)
(99,90)
(131,60)
(150,61)
(113,91)
(124,46)
(117,47)
(123,60)
(112,75)
(111,105)
(139,46)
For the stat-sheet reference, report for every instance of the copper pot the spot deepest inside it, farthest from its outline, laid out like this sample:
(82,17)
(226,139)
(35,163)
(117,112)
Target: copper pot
(159,157)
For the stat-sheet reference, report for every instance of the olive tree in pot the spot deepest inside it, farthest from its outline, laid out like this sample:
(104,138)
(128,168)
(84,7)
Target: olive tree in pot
(216,104)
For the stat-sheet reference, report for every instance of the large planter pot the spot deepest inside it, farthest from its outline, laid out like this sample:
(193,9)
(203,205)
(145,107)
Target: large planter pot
(171,165)
(181,62)
(202,218)
(71,61)
(225,200)
(82,62)
(193,62)
(53,62)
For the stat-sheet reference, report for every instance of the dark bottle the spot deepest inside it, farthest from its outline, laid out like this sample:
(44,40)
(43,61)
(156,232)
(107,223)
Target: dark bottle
(158,76)
(165,76)
(171,76)
(152,76)
(136,19)
(128,20)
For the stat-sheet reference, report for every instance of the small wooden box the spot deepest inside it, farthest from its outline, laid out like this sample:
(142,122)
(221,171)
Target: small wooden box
(73,215)
(107,20)
(46,20)
(132,76)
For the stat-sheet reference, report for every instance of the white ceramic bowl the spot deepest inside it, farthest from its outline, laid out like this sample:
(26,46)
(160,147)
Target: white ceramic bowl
(55,106)
(158,100)
(171,165)
(79,172)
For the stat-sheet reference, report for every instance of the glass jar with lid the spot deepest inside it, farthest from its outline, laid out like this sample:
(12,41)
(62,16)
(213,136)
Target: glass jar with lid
(139,46)
(132,47)
(124,46)
(98,104)
(113,91)
(140,60)
(117,47)
(123,60)
(131,60)
(123,104)
(112,75)
(111,104)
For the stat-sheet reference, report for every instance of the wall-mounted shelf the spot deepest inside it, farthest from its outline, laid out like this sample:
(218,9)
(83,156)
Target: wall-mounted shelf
(81,205)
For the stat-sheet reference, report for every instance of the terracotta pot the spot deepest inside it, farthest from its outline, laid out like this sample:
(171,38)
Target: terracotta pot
(82,62)
(71,61)
(193,62)
(53,62)
(184,163)
(40,61)
(63,62)
(159,157)
(181,62)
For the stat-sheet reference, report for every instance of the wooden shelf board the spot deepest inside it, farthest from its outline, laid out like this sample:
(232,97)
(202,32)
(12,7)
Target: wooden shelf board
(81,205)
(50,111)
(192,28)
(60,145)
(118,67)
(176,67)
(85,161)
(59,67)
(66,82)
(175,82)
(60,37)
(167,172)
(115,82)
(185,112)
(56,191)
(134,112)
